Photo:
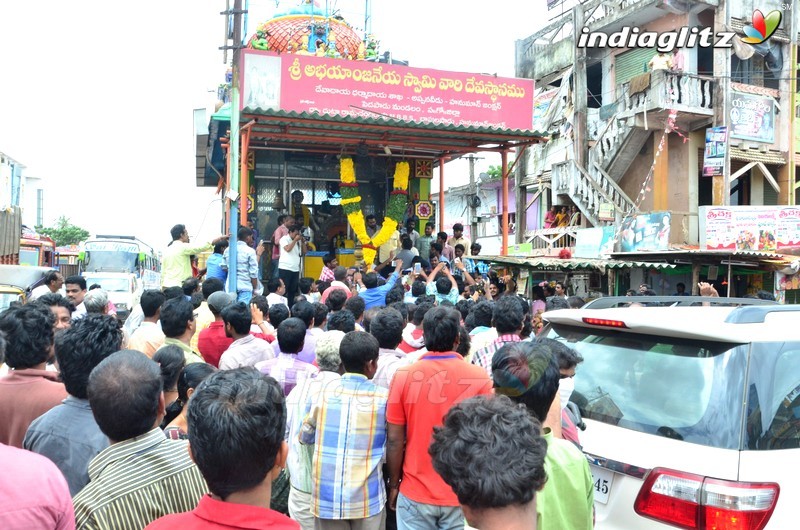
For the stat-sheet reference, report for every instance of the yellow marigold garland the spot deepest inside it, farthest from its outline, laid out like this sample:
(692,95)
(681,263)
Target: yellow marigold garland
(351,203)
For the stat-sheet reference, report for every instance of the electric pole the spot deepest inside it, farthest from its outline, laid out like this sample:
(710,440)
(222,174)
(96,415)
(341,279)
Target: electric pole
(232,194)
(473,192)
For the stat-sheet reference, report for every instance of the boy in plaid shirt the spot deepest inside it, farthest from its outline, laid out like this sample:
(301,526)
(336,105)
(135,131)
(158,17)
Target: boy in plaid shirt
(346,423)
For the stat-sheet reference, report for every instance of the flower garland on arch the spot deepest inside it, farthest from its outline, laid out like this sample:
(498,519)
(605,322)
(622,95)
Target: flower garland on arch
(351,203)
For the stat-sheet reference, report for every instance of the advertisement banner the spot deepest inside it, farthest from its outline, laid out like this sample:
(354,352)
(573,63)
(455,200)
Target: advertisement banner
(594,242)
(752,117)
(541,102)
(647,231)
(762,228)
(338,87)
(716,147)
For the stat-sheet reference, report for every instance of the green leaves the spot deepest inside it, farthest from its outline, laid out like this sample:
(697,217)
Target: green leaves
(65,233)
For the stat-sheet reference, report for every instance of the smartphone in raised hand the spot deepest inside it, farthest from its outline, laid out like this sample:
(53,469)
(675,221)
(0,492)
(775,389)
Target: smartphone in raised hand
(417,268)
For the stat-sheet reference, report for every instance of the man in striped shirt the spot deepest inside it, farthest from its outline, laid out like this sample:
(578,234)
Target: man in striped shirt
(347,425)
(508,320)
(142,475)
(239,469)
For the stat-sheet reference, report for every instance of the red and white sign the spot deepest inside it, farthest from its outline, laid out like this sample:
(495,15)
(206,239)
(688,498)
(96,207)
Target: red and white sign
(759,228)
(338,87)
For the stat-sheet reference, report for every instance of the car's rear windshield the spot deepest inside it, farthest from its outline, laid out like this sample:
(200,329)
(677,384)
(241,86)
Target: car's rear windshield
(684,389)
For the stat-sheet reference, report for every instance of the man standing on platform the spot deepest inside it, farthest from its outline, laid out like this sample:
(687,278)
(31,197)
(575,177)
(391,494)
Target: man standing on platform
(284,222)
(459,239)
(292,247)
(176,263)
(246,265)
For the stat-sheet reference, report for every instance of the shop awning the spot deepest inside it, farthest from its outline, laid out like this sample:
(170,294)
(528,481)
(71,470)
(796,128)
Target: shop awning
(312,132)
(553,263)
(753,155)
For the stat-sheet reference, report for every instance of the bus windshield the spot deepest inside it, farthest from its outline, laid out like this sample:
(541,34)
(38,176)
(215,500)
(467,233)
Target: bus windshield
(102,260)
(111,255)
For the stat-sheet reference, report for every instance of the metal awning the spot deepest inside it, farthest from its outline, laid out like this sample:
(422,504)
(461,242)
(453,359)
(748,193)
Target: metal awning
(553,263)
(379,136)
(754,155)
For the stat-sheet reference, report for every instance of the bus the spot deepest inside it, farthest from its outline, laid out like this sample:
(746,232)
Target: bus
(123,266)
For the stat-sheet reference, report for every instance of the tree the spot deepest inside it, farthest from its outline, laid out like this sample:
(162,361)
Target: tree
(64,233)
(495,172)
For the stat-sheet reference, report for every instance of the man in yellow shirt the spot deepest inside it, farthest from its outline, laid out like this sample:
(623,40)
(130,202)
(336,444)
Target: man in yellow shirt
(459,239)
(391,245)
(176,263)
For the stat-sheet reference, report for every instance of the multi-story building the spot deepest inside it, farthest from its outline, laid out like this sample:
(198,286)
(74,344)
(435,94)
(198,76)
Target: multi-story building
(628,135)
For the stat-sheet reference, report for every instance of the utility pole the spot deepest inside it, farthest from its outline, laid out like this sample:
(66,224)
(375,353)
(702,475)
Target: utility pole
(233,171)
(722,103)
(580,90)
(473,192)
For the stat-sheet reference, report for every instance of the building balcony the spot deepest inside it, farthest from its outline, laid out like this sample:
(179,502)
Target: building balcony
(652,95)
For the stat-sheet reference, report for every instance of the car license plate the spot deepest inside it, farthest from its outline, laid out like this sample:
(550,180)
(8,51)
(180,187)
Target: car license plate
(602,479)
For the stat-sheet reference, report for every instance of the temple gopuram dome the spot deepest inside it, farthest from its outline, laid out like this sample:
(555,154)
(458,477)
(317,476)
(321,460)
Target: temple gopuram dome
(308,29)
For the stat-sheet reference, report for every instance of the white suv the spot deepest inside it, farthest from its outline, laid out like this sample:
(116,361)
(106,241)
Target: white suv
(692,413)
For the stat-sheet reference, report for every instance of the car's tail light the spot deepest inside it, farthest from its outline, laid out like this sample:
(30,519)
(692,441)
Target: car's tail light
(604,322)
(692,501)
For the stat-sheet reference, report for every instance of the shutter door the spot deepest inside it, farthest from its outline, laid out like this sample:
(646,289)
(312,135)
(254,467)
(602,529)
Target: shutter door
(770,195)
(631,64)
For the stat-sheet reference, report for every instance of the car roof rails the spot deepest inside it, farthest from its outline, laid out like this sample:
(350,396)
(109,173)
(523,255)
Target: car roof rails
(757,314)
(606,302)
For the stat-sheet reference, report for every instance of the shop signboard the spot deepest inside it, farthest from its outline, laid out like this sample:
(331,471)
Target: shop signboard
(520,249)
(339,87)
(716,147)
(645,232)
(594,242)
(752,117)
(758,228)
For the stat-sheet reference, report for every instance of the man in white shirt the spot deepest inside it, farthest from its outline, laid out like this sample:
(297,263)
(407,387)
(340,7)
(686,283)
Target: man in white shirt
(53,280)
(387,327)
(76,291)
(276,290)
(148,337)
(292,247)
(246,350)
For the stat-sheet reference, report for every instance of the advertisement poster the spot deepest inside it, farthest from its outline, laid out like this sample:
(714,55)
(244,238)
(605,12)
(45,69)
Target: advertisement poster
(338,87)
(752,117)
(541,102)
(648,231)
(716,146)
(759,228)
(594,242)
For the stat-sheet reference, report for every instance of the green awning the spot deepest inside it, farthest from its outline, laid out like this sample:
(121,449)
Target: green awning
(223,114)
(554,263)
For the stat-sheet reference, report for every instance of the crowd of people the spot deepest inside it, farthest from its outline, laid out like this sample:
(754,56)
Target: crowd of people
(408,397)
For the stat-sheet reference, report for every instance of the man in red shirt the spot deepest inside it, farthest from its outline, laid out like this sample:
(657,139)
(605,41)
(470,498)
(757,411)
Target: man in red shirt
(239,473)
(213,342)
(420,396)
(29,390)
